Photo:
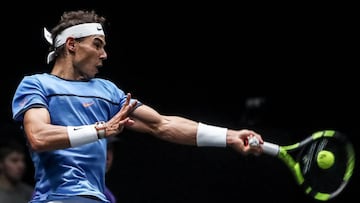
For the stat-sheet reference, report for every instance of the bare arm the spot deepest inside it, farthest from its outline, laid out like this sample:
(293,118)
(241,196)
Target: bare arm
(170,128)
(42,135)
(184,131)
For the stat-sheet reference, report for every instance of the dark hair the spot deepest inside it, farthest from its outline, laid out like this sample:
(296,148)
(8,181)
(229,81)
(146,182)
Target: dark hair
(71,18)
(10,146)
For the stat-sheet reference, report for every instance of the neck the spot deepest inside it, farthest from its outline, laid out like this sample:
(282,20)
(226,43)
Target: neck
(64,69)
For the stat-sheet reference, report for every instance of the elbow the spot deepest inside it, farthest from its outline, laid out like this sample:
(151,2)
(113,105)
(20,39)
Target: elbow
(36,144)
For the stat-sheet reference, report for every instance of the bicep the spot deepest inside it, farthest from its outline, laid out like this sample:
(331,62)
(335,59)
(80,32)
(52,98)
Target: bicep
(41,134)
(35,119)
(146,119)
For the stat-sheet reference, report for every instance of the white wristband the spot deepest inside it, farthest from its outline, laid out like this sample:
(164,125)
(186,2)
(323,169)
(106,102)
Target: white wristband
(212,136)
(79,135)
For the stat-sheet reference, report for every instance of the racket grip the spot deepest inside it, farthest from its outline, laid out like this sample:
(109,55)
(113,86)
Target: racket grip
(270,148)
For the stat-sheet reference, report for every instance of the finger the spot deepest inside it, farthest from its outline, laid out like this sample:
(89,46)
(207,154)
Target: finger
(124,121)
(128,98)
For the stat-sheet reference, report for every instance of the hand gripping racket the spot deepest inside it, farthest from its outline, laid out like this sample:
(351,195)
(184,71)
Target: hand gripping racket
(322,164)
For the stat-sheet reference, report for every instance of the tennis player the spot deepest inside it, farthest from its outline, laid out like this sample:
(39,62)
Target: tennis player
(67,113)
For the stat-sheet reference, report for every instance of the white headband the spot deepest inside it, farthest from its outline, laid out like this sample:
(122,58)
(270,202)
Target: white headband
(76,31)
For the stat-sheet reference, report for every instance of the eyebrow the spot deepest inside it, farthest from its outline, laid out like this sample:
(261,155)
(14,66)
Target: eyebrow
(102,41)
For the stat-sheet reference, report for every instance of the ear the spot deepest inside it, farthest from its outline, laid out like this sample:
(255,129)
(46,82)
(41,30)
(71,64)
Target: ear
(70,43)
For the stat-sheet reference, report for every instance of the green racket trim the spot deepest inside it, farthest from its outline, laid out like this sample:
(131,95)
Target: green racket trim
(295,169)
(291,163)
(351,162)
(322,196)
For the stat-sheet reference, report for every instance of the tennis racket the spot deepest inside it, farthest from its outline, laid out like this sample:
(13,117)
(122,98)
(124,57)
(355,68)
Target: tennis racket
(322,164)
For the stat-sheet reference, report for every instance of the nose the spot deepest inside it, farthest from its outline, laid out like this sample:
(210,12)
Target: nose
(103,55)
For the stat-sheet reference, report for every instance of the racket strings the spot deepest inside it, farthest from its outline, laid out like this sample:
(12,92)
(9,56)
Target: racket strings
(323,180)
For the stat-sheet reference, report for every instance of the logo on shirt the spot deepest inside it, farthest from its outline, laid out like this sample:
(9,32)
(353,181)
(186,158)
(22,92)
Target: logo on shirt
(87,104)
(23,102)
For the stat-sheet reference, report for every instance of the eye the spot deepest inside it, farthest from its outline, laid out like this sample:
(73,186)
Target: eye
(98,45)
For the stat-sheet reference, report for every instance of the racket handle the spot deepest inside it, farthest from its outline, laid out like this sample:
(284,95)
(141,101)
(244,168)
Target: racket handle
(268,148)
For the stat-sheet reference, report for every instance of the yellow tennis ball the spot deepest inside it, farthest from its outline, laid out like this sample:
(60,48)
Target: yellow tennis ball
(325,159)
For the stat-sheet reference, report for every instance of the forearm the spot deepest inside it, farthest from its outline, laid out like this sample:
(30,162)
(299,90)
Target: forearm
(187,132)
(178,130)
(43,136)
(52,137)
(48,137)
(183,131)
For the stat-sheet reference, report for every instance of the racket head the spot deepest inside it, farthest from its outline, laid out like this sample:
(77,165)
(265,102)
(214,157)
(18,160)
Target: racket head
(325,182)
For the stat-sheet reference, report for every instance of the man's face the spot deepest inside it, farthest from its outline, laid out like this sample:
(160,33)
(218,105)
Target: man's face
(13,166)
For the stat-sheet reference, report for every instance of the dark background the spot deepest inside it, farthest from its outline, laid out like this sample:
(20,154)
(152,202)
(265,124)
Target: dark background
(207,61)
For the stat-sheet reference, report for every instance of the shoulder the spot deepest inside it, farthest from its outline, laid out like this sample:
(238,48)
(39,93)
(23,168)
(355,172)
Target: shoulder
(25,189)
(108,85)
(35,78)
(104,82)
